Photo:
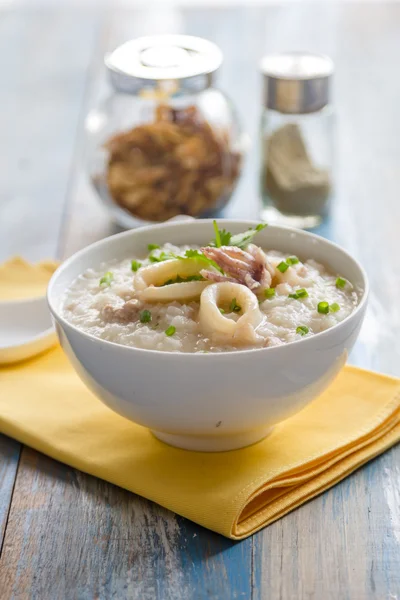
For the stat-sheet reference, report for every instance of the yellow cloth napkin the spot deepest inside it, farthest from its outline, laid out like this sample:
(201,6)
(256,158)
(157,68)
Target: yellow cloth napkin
(44,405)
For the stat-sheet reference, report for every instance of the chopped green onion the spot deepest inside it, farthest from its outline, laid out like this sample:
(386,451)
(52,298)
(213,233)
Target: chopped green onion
(340,282)
(282,267)
(323,308)
(161,257)
(221,310)
(180,279)
(233,307)
(302,330)
(269,293)
(151,247)
(217,234)
(135,265)
(334,307)
(302,293)
(292,260)
(107,278)
(170,331)
(145,316)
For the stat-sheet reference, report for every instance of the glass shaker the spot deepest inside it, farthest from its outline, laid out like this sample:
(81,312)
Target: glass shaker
(166,142)
(297,128)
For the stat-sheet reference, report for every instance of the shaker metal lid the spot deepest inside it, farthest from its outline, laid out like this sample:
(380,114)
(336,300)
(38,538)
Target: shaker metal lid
(146,61)
(296,82)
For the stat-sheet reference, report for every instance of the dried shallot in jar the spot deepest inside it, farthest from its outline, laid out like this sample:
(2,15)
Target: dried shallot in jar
(166,143)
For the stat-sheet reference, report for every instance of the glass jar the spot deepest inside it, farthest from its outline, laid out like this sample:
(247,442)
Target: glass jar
(166,142)
(296,139)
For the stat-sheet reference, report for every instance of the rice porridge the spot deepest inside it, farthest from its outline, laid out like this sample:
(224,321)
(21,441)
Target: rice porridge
(230,295)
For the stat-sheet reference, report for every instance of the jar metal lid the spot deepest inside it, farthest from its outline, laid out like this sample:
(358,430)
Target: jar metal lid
(296,82)
(152,61)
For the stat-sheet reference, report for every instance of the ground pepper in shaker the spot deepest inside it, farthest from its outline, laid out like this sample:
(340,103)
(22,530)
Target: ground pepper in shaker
(296,139)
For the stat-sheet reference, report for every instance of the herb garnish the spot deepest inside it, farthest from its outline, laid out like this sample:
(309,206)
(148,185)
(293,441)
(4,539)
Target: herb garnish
(269,293)
(241,240)
(302,293)
(323,308)
(135,265)
(107,278)
(170,330)
(292,260)
(233,307)
(180,279)
(197,255)
(283,266)
(151,247)
(161,257)
(145,316)
(302,330)
(340,282)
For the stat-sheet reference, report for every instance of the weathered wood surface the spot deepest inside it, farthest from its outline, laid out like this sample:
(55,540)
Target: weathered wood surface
(74,536)
(9,457)
(67,535)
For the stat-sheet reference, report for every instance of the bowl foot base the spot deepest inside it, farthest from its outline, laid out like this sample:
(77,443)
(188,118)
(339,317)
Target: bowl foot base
(212,443)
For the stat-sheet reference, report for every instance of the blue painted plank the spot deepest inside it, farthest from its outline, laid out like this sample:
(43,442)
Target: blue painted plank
(213,566)
(74,536)
(9,457)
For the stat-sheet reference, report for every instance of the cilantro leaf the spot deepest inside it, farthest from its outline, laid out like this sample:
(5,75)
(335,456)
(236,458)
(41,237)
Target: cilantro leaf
(193,254)
(241,240)
(197,255)
(222,237)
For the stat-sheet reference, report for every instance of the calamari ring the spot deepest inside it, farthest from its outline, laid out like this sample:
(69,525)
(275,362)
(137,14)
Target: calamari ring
(212,322)
(149,281)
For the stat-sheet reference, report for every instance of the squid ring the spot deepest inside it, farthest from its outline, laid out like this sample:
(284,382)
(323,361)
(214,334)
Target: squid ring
(149,282)
(213,322)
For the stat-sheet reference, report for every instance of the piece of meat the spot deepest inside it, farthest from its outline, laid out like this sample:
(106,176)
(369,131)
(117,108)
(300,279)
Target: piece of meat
(250,268)
(215,276)
(125,314)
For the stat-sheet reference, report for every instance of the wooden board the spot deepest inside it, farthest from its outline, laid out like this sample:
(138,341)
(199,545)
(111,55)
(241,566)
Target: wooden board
(9,457)
(71,536)
(74,536)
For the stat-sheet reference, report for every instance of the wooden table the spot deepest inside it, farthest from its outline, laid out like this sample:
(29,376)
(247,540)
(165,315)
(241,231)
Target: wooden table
(65,535)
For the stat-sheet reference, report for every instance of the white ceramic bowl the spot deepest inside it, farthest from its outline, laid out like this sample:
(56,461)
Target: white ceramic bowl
(26,329)
(208,402)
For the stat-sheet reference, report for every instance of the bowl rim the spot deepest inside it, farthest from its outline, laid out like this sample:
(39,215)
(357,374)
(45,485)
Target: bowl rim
(206,355)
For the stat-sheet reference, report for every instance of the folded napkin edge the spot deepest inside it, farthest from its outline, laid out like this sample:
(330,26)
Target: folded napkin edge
(297,498)
(376,423)
(381,416)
